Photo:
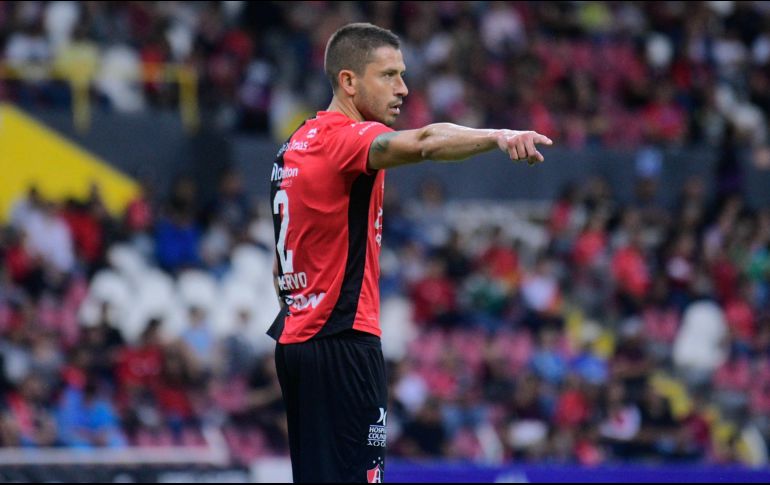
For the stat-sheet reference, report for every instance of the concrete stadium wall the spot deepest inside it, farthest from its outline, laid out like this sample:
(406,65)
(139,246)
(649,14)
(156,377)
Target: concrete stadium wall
(155,145)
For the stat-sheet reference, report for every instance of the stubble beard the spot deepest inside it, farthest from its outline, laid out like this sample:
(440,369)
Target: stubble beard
(372,113)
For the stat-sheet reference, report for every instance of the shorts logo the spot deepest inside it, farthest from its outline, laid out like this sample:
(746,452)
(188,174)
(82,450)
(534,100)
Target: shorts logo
(375,474)
(377,432)
(383,417)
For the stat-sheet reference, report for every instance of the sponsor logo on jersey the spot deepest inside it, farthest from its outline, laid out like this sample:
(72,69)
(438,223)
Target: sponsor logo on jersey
(300,302)
(378,228)
(366,127)
(292,147)
(280,173)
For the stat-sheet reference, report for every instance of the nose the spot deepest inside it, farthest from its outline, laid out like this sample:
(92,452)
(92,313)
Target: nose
(401,89)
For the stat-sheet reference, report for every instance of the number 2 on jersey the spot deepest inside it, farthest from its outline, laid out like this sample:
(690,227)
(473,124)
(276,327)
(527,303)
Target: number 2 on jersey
(285,255)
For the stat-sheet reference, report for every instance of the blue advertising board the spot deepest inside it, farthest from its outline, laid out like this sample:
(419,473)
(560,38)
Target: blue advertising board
(445,472)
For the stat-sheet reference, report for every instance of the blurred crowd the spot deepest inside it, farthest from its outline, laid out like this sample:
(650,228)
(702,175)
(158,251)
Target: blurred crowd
(578,330)
(583,331)
(614,74)
(138,329)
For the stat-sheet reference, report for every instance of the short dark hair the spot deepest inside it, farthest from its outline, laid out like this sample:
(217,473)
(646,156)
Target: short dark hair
(351,48)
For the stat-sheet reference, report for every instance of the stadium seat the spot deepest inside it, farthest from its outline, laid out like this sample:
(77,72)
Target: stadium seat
(154,297)
(698,348)
(107,287)
(198,288)
(127,261)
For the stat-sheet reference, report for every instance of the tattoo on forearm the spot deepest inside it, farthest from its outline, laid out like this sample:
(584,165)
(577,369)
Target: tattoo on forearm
(381,142)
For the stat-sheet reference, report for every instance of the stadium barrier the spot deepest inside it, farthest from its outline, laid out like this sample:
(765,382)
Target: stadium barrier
(429,472)
(81,78)
(148,464)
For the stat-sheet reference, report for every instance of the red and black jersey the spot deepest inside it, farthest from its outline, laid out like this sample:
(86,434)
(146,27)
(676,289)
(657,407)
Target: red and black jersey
(327,215)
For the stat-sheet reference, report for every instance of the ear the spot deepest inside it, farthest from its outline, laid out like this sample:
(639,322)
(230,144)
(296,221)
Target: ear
(346,79)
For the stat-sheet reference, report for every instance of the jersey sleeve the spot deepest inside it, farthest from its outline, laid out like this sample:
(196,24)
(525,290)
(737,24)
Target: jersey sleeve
(349,146)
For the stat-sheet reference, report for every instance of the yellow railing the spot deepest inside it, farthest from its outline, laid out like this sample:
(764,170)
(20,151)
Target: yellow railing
(80,81)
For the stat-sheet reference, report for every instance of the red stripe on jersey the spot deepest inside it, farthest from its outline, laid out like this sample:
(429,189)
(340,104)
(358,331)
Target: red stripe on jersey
(327,214)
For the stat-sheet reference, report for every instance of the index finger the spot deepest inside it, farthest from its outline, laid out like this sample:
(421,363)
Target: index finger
(532,153)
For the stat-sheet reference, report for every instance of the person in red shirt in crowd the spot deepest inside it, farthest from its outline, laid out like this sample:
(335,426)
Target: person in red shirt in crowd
(500,259)
(138,215)
(591,243)
(17,259)
(138,368)
(740,316)
(572,407)
(632,276)
(434,297)
(725,274)
(680,267)
(660,318)
(27,418)
(86,222)
(664,120)
(174,389)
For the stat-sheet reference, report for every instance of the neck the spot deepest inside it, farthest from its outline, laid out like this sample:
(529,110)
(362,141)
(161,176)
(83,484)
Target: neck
(346,107)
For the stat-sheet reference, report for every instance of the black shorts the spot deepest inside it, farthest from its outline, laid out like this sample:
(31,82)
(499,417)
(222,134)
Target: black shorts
(335,393)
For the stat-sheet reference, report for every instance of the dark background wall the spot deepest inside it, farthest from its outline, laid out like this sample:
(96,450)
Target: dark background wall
(155,145)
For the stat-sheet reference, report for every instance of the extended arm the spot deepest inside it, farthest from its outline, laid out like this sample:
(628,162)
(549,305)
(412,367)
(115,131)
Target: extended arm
(448,142)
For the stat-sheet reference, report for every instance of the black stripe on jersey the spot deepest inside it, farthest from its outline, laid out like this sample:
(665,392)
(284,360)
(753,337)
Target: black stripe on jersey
(276,329)
(344,313)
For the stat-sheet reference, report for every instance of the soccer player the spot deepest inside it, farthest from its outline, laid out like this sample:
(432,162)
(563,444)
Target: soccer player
(327,186)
